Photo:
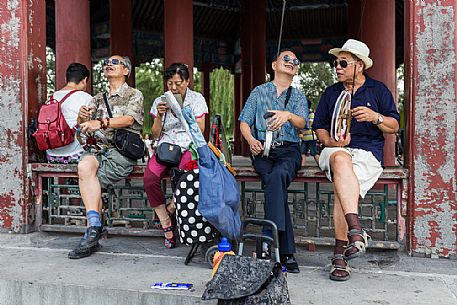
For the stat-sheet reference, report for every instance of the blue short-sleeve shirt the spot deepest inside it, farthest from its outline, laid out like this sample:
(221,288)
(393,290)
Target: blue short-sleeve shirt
(263,98)
(364,135)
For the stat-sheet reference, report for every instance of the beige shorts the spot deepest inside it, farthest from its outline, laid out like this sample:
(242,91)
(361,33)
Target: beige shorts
(366,167)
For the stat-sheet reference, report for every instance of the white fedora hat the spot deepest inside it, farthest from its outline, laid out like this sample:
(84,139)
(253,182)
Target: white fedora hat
(356,48)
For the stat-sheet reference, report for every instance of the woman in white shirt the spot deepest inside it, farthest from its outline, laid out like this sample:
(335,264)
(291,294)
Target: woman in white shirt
(177,80)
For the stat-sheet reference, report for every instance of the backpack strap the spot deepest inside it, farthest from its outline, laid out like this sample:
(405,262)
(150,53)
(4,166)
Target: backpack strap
(65,97)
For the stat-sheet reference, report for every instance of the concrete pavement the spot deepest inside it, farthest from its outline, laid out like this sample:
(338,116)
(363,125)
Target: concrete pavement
(35,269)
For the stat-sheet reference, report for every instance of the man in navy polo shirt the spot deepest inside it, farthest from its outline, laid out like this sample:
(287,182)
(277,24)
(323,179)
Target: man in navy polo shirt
(289,110)
(354,162)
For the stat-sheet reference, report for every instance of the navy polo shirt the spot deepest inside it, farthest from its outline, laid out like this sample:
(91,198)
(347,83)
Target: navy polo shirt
(364,135)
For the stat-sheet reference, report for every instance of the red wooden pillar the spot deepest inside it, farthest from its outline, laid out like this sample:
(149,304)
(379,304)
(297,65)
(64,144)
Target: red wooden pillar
(121,32)
(258,37)
(207,95)
(178,33)
(246,60)
(22,88)
(72,36)
(237,109)
(379,35)
(431,97)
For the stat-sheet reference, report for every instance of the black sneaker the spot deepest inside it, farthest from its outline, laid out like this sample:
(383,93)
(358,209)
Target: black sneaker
(89,245)
(81,251)
(93,236)
(290,263)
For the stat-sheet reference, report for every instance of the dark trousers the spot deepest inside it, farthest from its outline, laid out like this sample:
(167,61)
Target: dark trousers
(276,173)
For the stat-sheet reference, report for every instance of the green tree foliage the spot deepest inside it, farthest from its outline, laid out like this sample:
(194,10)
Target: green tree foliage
(401,87)
(197,76)
(314,78)
(99,82)
(50,71)
(221,91)
(149,80)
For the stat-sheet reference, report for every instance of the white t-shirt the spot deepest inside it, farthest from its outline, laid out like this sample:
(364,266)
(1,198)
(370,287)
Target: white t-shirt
(70,109)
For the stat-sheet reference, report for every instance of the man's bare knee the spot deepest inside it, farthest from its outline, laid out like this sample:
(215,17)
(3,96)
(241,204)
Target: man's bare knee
(340,161)
(87,167)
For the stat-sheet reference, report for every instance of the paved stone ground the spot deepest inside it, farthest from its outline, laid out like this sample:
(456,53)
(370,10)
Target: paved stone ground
(35,269)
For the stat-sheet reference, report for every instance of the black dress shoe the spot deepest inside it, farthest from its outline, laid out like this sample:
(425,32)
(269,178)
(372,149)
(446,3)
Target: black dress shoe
(290,263)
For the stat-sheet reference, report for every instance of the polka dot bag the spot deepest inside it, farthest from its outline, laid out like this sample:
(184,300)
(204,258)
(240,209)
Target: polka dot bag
(192,226)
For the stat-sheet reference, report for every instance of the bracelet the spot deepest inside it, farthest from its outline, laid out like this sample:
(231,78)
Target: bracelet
(102,124)
(107,123)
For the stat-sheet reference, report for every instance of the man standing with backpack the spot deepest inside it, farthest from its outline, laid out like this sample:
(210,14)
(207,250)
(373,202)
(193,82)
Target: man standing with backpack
(72,97)
(116,111)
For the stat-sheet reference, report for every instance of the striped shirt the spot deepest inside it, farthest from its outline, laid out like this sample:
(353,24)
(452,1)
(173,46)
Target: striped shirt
(308,134)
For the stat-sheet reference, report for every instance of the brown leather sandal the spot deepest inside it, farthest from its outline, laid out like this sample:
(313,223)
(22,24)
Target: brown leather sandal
(359,245)
(339,267)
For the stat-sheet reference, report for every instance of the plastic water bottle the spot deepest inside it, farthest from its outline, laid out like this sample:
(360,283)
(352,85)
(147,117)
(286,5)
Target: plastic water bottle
(224,248)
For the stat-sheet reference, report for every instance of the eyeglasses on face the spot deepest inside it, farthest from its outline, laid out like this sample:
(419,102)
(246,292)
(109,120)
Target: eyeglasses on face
(343,63)
(113,61)
(287,58)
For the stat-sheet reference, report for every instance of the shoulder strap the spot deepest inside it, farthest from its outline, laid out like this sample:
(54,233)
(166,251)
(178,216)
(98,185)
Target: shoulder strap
(65,97)
(163,125)
(105,98)
(288,94)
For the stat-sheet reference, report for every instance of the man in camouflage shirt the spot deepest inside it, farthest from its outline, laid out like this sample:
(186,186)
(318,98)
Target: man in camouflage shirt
(99,169)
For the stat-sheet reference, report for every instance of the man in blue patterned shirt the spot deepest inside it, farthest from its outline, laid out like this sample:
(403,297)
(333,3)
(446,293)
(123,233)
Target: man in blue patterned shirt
(289,110)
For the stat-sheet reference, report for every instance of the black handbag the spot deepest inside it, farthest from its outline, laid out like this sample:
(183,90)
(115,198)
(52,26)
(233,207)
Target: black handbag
(127,143)
(241,280)
(166,153)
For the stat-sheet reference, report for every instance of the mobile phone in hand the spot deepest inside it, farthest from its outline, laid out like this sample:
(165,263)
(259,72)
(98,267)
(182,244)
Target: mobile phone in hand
(163,101)
(268,115)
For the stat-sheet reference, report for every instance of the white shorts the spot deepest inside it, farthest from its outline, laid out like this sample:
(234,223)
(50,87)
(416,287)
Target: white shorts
(366,167)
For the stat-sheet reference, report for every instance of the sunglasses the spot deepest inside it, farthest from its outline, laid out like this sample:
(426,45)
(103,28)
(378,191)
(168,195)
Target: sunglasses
(113,61)
(294,61)
(343,63)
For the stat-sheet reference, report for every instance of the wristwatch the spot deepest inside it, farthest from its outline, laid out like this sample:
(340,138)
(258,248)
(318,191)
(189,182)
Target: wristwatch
(380,120)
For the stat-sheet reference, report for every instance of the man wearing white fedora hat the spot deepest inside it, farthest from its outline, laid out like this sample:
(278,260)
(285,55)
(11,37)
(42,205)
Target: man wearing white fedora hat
(353,160)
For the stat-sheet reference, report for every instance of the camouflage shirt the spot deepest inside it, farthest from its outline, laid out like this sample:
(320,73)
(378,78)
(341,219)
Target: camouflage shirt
(124,101)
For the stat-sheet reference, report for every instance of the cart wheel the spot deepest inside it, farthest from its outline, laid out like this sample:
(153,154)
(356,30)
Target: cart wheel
(209,256)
